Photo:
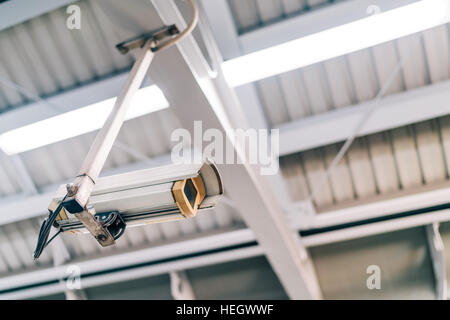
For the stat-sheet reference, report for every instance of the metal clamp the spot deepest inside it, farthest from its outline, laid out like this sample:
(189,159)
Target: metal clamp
(113,222)
(156,36)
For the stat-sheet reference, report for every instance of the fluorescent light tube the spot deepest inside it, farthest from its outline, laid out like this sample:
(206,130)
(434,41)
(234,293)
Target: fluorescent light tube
(78,122)
(338,41)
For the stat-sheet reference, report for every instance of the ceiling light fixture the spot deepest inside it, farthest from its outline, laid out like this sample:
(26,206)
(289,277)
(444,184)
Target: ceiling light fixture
(77,122)
(338,41)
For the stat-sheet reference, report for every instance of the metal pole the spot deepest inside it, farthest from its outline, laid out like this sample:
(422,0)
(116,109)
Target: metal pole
(80,190)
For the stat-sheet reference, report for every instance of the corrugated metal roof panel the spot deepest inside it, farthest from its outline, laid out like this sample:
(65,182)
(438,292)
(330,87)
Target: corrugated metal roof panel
(380,163)
(41,54)
(251,14)
(8,182)
(357,77)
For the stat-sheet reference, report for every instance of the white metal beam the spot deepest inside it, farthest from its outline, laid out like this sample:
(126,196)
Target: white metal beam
(180,287)
(17,11)
(223,27)
(183,75)
(75,295)
(376,228)
(393,111)
(219,16)
(437,253)
(379,206)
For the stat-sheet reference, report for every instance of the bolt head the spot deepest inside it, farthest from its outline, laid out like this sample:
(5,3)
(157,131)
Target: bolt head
(71,189)
(101,237)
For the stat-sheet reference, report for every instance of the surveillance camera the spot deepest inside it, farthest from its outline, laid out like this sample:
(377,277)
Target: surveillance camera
(140,197)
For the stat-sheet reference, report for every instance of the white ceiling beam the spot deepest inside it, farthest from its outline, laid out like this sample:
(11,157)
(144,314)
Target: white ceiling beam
(220,20)
(24,208)
(14,12)
(437,253)
(379,206)
(21,173)
(183,75)
(393,111)
(313,22)
(59,250)
(223,27)
(180,287)
(374,228)
(75,295)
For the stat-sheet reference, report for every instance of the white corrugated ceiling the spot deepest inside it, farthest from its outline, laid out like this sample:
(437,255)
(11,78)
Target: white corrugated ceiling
(47,60)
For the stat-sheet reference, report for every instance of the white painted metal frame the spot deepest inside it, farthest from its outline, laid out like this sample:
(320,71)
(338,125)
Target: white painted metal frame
(21,173)
(376,228)
(213,101)
(223,28)
(437,252)
(419,198)
(180,287)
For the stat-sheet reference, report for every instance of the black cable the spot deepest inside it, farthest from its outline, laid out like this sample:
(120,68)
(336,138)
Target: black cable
(45,230)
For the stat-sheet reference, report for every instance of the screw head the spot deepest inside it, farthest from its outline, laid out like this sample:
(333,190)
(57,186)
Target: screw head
(101,237)
(71,189)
